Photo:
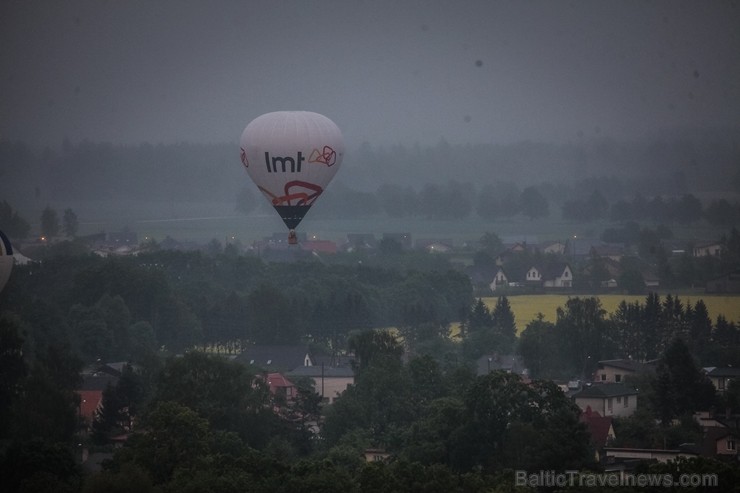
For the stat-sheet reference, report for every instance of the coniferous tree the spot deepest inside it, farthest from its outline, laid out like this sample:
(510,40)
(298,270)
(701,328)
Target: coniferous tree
(71,223)
(504,324)
(49,222)
(680,387)
(700,329)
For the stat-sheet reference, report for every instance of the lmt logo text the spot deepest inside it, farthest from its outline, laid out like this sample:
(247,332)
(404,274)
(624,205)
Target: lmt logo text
(272,163)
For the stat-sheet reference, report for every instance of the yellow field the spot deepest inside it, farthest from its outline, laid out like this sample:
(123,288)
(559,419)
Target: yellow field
(526,307)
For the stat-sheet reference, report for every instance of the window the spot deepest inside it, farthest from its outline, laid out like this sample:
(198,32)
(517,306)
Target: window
(617,377)
(609,404)
(603,377)
(731,444)
(626,401)
(619,399)
(721,383)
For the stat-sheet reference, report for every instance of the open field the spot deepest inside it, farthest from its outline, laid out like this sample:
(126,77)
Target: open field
(526,307)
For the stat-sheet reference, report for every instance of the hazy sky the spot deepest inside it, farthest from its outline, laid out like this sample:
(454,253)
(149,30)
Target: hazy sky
(385,71)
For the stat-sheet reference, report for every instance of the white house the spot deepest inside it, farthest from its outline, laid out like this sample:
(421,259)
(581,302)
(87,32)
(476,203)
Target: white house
(558,276)
(608,399)
(499,280)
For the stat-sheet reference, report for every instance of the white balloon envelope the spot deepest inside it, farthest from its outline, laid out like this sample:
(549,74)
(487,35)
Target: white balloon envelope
(292,156)
(6,259)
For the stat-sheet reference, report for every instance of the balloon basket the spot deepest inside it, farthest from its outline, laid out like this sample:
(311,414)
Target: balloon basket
(292,237)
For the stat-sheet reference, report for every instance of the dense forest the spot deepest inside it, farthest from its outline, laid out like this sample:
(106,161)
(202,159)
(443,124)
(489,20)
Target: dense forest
(205,423)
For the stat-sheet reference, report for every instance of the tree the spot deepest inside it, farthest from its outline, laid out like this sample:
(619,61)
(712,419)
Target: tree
(533,204)
(91,333)
(71,224)
(49,222)
(504,323)
(479,317)
(46,409)
(119,406)
(449,201)
(680,388)
(12,368)
(722,213)
(271,320)
(501,410)
(171,436)
(700,328)
(491,244)
(626,321)
(13,224)
(585,333)
(117,318)
(488,203)
(688,209)
(631,281)
(597,205)
(374,347)
(539,347)
(39,464)
(221,391)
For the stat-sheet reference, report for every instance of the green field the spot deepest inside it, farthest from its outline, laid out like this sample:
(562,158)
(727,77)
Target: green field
(526,307)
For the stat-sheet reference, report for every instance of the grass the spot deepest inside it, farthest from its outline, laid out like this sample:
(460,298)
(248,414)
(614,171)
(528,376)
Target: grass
(526,307)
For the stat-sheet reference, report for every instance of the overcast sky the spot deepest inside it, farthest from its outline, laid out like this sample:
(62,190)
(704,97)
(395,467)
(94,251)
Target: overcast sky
(385,71)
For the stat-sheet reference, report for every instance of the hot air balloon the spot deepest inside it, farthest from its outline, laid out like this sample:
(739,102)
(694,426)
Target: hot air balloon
(6,259)
(292,156)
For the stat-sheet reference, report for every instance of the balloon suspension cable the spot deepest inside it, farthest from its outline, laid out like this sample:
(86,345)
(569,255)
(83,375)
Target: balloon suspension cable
(292,237)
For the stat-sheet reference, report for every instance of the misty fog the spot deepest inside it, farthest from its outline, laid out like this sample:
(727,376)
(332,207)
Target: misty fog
(131,112)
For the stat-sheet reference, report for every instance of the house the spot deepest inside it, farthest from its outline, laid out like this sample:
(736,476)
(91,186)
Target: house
(444,245)
(557,275)
(600,429)
(553,247)
(280,387)
(329,381)
(512,249)
(275,358)
(721,377)
(613,454)
(500,280)
(90,393)
(403,239)
(608,399)
(319,246)
(707,419)
(727,283)
(609,251)
(651,280)
(609,284)
(580,248)
(278,242)
(533,276)
(500,362)
(720,442)
(360,241)
(91,401)
(376,455)
(708,249)
(615,370)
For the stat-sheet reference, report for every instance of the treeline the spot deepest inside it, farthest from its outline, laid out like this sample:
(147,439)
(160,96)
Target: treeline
(584,334)
(657,182)
(118,308)
(456,200)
